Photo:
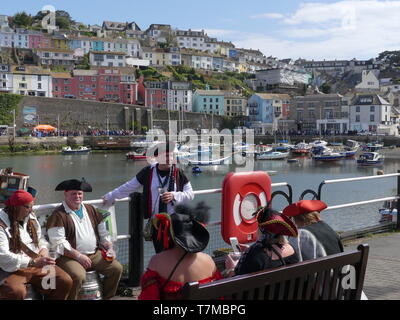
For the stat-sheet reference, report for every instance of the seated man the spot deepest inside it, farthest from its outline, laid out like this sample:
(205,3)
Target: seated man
(24,255)
(79,234)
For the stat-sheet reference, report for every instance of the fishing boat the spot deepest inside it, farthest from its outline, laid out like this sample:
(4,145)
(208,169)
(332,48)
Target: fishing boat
(350,148)
(273,155)
(370,159)
(326,154)
(80,150)
(302,148)
(11,181)
(372,147)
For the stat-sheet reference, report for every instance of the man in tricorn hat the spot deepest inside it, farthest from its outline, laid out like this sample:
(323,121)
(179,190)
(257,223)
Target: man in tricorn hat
(78,233)
(164,185)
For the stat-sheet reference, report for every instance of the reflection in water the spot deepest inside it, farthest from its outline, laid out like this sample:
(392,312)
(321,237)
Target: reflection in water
(107,171)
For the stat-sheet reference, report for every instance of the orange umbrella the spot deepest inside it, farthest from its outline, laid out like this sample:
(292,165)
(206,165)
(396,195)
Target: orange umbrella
(44,127)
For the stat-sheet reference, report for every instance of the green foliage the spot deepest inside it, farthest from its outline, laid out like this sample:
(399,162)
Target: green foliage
(8,102)
(22,20)
(326,88)
(85,63)
(58,68)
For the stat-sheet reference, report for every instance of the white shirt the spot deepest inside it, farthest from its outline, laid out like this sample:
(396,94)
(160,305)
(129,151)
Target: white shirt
(84,234)
(134,185)
(10,261)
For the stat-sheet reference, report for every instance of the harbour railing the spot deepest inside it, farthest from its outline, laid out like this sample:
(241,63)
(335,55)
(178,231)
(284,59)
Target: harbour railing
(134,253)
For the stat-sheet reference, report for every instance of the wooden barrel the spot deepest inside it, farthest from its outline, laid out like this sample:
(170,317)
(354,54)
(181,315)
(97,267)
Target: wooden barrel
(91,287)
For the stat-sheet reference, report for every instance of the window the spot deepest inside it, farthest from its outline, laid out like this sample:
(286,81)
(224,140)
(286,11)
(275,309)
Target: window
(357,118)
(372,118)
(357,108)
(39,86)
(372,109)
(39,78)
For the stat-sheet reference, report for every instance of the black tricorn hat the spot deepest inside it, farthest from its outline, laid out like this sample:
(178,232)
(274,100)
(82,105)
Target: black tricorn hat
(187,227)
(74,184)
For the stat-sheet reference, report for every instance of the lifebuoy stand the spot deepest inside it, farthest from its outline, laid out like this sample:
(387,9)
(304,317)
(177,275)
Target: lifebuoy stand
(242,194)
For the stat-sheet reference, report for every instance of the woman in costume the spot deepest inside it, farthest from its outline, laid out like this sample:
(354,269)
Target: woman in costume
(184,237)
(24,253)
(271,250)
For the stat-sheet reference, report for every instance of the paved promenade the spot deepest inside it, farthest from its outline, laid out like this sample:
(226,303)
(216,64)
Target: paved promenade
(382,281)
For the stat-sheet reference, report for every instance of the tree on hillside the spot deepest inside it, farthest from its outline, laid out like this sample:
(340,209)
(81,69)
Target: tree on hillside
(326,88)
(63,18)
(21,20)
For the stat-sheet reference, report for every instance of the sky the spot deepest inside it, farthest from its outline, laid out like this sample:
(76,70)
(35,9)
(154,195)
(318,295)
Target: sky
(324,29)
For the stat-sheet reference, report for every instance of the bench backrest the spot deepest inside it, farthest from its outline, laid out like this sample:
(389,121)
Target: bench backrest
(335,277)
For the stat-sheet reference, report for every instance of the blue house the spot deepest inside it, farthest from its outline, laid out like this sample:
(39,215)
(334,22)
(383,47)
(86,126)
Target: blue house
(261,108)
(97,45)
(217,63)
(209,101)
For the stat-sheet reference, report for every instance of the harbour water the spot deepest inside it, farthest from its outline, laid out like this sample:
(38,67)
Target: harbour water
(107,171)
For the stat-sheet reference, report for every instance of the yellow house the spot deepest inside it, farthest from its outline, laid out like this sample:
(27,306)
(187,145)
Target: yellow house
(59,42)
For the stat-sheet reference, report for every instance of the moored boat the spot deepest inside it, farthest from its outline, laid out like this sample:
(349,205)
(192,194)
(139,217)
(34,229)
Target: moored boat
(301,148)
(273,155)
(80,150)
(138,153)
(370,159)
(323,153)
(11,181)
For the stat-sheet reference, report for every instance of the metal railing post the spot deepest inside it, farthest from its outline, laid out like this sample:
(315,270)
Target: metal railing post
(398,203)
(136,240)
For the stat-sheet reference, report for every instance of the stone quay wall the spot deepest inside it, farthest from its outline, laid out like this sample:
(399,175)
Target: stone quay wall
(75,114)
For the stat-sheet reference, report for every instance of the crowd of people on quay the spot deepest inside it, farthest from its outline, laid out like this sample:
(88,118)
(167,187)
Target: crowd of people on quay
(77,133)
(78,240)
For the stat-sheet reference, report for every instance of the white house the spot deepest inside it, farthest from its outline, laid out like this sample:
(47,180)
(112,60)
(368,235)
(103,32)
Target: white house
(369,81)
(107,59)
(56,57)
(191,39)
(179,96)
(32,81)
(367,112)
(6,78)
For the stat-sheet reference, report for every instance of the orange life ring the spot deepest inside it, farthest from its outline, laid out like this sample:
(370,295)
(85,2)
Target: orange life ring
(242,194)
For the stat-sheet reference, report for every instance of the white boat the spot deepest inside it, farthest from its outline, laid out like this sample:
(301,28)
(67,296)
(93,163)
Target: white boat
(350,148)
(351,145)
(262,148)
(141,143)
(328,155)
(273,155)
(80,150)
(318,143)
(370,159)
(301,148)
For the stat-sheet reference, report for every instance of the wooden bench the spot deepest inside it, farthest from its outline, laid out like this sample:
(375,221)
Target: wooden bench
(319,279)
